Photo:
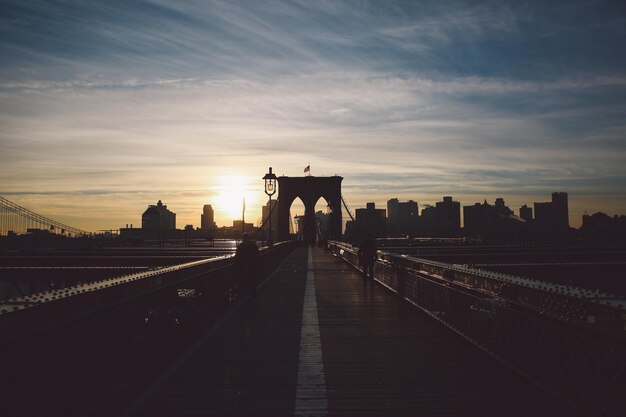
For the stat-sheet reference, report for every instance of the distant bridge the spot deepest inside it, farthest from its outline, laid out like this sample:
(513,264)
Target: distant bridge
(20,220)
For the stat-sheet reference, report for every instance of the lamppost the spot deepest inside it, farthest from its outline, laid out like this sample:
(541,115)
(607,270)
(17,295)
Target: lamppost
(270,190)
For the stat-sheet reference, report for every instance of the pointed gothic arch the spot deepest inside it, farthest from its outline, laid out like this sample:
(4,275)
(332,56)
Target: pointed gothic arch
(309,189)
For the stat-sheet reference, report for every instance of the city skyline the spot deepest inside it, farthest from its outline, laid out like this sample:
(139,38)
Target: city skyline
(232,213)
(297,209)
(109,107)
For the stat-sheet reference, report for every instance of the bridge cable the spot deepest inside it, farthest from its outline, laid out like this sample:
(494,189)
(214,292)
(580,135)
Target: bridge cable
(16,216)
(347,209)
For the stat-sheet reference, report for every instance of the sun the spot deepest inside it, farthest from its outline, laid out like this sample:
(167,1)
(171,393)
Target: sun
(231,191)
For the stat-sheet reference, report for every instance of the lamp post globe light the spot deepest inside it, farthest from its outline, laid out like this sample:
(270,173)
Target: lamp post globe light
(270,190)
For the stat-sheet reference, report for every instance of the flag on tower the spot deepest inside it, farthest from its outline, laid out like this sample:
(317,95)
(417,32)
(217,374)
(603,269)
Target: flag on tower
(308,168)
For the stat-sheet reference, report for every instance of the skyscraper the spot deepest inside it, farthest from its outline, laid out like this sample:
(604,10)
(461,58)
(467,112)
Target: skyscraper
(448,216)
(476,218)
(489,222)
(392,214)
(402,217)
(371,220)
(561,210)
(207,222)
(265,212)
(553,217)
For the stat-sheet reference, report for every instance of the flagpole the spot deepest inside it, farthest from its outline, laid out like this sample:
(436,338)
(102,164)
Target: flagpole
(243,219)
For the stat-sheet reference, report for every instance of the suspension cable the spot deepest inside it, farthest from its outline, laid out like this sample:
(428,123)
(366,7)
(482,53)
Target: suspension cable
(25,218)
(347,209)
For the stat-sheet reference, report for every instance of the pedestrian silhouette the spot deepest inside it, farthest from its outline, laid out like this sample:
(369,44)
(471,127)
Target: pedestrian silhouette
(246,261)
(367,255)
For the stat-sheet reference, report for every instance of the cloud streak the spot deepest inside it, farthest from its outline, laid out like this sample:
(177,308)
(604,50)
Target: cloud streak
(427,98)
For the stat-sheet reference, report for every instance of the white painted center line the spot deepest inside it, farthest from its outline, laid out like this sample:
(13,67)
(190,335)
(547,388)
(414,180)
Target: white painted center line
(311,390)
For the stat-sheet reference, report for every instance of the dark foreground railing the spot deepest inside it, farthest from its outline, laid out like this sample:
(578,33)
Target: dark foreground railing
(582,363)
(53,343)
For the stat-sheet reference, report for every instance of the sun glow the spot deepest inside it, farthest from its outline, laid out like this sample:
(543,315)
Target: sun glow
(231,191)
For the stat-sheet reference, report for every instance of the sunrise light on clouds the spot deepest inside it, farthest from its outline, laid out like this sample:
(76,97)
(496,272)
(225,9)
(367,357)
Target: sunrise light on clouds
(107,107)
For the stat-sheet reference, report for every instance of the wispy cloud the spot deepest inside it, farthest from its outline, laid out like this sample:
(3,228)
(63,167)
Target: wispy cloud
(99,100)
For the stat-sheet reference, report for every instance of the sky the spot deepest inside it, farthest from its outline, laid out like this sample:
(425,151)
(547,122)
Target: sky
(108,106)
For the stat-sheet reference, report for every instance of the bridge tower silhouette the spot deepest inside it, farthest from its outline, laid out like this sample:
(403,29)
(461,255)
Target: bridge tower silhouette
(309,189)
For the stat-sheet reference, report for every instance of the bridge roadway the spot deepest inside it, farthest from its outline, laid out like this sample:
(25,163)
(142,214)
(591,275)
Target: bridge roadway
(317,340)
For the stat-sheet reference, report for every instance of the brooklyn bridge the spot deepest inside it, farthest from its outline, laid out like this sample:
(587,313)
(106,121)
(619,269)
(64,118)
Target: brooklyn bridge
(153,331)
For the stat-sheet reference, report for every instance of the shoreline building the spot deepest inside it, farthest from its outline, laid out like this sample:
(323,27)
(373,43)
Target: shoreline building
(526,213)
(239,228)
(492,223)
(367,220)
(265,214)
(441,220)
(402,217)
(448,217)
(158,217)
(552,218)
(602,228)
(207,221)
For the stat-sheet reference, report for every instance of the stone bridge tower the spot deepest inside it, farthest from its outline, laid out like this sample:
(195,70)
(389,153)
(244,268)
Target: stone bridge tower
(309,189)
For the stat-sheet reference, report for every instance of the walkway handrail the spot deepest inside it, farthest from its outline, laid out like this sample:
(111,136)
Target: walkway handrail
(76,334)
(581,362)
(585,307)
(89,295)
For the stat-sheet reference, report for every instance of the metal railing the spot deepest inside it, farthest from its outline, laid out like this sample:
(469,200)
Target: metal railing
(54,342)
(581,362)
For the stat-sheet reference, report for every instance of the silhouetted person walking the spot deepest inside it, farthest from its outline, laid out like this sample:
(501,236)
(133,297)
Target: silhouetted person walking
(246,260)
(367,255)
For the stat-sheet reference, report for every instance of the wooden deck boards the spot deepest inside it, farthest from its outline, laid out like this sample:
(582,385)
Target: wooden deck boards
(385,357)
(381,357)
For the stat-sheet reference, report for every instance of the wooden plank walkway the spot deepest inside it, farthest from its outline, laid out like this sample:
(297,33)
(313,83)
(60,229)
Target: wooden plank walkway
(379,357)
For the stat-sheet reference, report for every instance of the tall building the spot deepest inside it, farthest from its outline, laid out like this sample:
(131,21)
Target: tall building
(158,217)
(427,220)
(370,220)
(392,211)
(265,213)
(494,223)
(207,222)
(442,220)
(402,217)
(553,217)
(544,215)
(561,210)
(207,219)
(476,218)
(322,220)
(448,217)
(526,213)
(299,225)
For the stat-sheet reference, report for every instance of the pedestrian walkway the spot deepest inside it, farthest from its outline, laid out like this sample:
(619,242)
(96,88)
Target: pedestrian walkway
(318,340)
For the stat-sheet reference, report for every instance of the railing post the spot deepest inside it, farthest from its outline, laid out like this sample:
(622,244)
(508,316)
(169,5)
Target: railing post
(584,364)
